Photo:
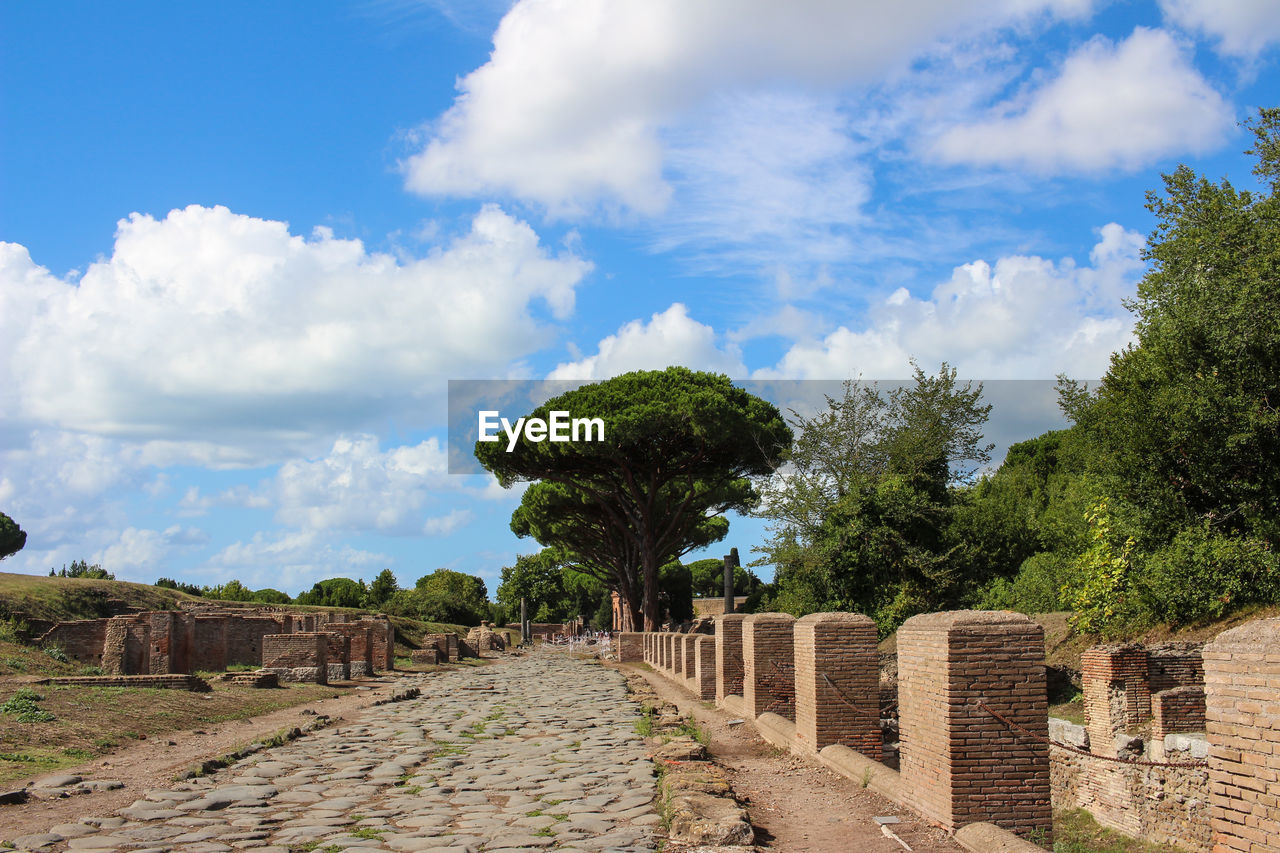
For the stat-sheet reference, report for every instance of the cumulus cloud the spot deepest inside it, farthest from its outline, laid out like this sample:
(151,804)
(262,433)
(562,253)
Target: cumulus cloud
(291,561)
(568,110)
(358,486)
(1111,106)
(670,337)
(140,555)
(218,338)
(1242,28)
(1024,317)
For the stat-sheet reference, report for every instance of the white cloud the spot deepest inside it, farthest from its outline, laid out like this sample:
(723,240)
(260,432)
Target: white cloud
(141,555)
(568,110)
(289,561)
(357,486)
(671,337)
(443,525)
(1023,318)
(1242,28)
(220,339)
(1111,106)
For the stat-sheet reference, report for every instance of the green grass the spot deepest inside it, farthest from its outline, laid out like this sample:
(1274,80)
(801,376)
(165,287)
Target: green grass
(1077,832)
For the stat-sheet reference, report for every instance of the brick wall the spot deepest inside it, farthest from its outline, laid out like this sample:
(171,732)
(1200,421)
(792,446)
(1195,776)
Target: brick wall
(170,640)
(126,647)
(209,644)
(1180,709)
(1242,719)
(446,643)
(704,667)
(338,654)
(244,638)
(630,647)
(959,764)
(690,657)
(729,655)
(1117,693)
(1178,664)
(384,642)
(428,655)
(167,681)
(82,640)
(768,668)
(361,651)
(837,683)
(301,656)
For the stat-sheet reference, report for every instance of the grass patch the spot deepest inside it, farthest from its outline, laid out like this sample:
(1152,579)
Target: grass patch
(23,706)
(1072,711)
(644,725)
(1076,831)
(367,832)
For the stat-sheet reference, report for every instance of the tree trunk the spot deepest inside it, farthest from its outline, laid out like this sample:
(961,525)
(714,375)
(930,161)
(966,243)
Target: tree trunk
(650,567)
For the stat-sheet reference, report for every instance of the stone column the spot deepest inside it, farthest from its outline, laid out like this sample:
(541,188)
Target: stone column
(960,764)
(1242,718)
(768,664)
(729,655)
(837,683)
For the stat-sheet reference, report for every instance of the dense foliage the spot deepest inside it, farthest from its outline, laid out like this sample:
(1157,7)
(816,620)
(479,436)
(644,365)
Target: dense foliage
(680,450)
(12,537)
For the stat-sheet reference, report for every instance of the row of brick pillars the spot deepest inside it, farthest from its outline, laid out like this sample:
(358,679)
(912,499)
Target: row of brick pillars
(960,764)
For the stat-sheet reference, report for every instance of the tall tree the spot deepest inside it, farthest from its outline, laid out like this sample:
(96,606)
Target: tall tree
(679,449)
(12,537)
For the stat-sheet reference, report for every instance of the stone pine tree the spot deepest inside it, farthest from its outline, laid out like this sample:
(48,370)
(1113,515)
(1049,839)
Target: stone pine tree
(12,537)
(680,448)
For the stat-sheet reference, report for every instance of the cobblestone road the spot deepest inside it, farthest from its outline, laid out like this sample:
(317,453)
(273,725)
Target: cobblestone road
(538,754)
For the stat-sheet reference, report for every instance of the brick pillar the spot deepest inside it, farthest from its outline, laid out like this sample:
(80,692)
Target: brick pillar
(1242,719)
(1117,694)
(677,655)
(959,764)
(704,667)
(768,665)
(630,647)
(729,655)
(1178,710)
(837,666)
(690,658)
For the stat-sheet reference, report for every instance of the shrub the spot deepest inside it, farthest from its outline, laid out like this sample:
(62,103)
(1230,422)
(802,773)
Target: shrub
(56,653)
(22,706)
(1203,574)
(1036,588)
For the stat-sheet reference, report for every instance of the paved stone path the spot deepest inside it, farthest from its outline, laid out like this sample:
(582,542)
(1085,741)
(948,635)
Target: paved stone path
(538,754)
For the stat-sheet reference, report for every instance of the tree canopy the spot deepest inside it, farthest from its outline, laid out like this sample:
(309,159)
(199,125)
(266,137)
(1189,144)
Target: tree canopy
(679,450)
(12,537)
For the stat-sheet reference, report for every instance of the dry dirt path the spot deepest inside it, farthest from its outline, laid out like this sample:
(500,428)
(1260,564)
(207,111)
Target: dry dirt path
(797,805)
(540,753)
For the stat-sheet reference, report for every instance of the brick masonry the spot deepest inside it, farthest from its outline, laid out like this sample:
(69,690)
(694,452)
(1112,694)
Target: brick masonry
(631,647)
(1242,720)
(959,764)
(704,667)
(768,667)
(361,651)
(301,656)
(446,643)
(837,683)
(1180,709)
(1117,693)
(729,655)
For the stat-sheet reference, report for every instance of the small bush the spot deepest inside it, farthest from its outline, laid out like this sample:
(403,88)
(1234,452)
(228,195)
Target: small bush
(56,653)
(22,706)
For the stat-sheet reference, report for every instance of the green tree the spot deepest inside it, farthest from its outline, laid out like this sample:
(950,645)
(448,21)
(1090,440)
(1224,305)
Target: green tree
(1188,419)
(334,592)
(860,514)
(12,537)
(232,590)
(267,595)
(708,579)
(449,596)
(381,589)
(679,451)
(181,586)
(81,569)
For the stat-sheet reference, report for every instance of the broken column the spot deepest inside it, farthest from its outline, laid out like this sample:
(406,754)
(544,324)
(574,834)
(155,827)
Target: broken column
(960,763)
(837,683)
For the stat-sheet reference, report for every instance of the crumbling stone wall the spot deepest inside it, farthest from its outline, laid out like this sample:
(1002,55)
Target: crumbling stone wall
(360,654)
(209,644)
(82,640)
(338,654)
(126,648)
(302,656)
(245,638)
(384,642)
(447,644)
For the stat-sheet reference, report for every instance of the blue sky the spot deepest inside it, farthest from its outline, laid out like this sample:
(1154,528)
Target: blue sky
(243,249)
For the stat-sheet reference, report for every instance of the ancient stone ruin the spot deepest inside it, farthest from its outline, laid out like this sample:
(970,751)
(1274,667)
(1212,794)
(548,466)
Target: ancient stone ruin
(1181,744)
(319,647)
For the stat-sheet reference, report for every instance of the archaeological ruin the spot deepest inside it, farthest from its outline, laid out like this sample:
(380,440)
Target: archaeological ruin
(1181,742)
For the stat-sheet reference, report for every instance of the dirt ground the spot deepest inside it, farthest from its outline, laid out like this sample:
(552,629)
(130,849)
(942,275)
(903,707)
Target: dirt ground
(798,805)
(156,761)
